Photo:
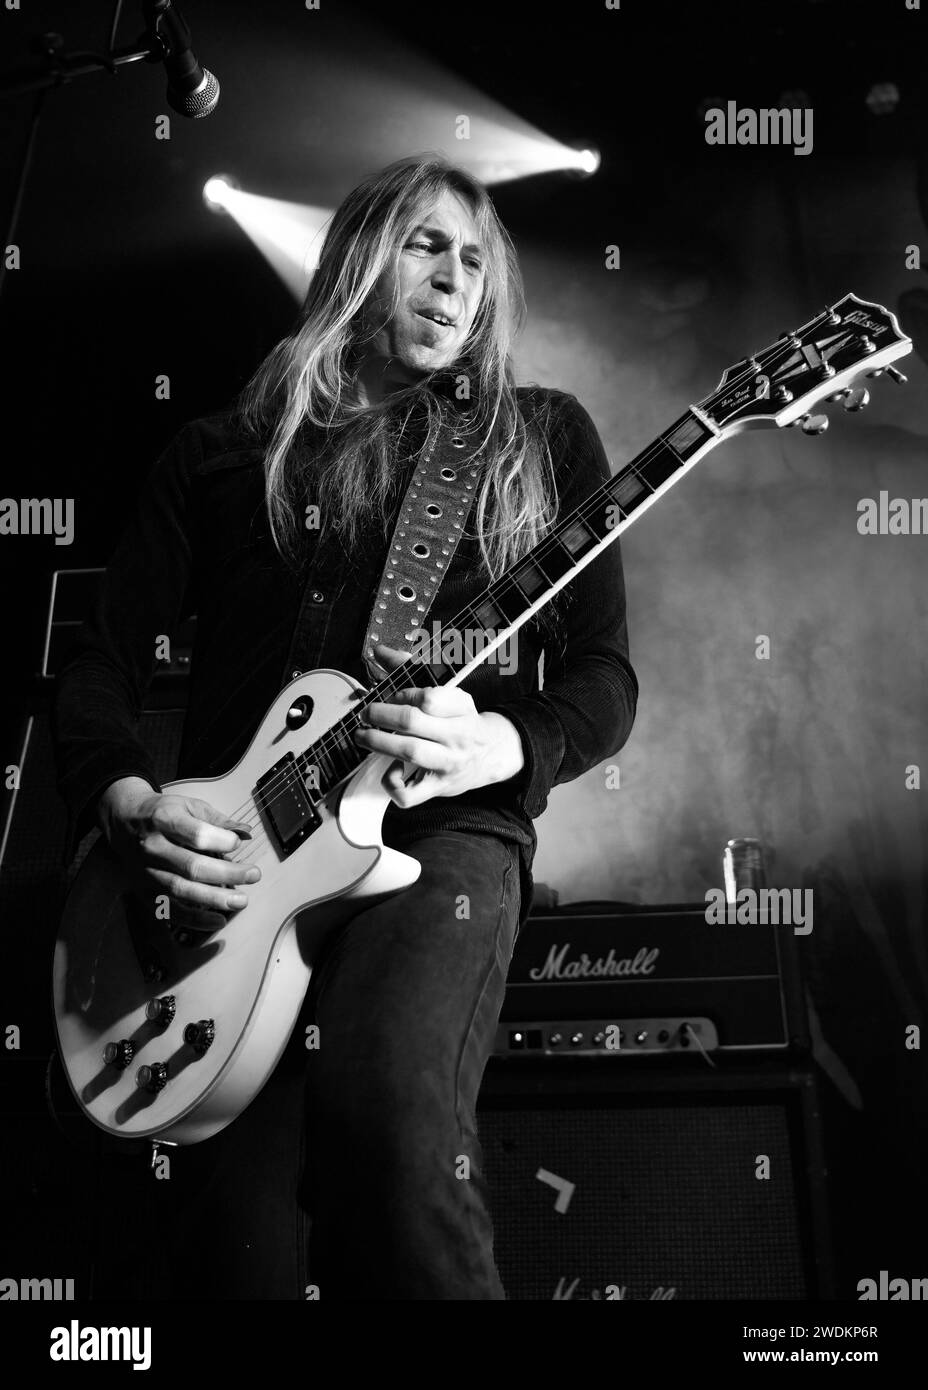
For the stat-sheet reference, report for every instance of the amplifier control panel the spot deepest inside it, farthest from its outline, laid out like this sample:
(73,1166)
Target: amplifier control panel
(613,1037)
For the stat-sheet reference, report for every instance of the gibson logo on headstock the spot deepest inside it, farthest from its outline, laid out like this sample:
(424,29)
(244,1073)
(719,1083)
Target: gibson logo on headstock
(557,967)
(865,321)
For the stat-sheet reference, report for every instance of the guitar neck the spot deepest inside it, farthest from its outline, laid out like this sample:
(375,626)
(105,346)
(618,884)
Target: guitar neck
(528,585)
(532,582)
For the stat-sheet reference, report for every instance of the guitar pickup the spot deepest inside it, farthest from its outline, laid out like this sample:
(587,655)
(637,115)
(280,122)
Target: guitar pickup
(283,800)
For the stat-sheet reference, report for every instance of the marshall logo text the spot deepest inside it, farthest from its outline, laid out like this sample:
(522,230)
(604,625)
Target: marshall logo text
(558,967)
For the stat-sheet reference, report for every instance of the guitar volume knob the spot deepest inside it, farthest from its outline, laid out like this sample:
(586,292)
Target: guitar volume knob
(161,1011)
(153,1078)
(119,1054)
(200,1035)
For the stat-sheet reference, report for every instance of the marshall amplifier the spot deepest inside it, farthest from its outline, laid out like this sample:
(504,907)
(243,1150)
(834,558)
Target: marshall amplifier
(620,981)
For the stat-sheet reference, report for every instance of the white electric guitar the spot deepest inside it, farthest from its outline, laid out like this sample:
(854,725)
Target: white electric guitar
(168,1034)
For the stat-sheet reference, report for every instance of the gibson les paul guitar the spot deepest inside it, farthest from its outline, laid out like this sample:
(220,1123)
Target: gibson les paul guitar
(168,1034)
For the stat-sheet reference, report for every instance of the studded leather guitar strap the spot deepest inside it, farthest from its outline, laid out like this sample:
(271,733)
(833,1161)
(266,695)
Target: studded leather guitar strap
(427,534)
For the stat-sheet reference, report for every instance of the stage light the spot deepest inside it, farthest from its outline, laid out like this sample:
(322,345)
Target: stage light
(217,190)
(579,163)
(385,102)
(288,235)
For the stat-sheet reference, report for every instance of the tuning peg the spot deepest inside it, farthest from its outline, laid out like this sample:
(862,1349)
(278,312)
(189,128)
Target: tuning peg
(856,399)
(896,375)
(879,372)
(814,424)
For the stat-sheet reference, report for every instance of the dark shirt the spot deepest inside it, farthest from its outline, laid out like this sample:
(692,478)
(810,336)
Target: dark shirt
(199,543)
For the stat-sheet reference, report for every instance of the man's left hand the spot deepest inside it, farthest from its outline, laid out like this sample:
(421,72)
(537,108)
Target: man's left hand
(447,745)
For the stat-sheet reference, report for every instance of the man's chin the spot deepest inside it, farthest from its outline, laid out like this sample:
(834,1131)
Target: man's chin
(425,360)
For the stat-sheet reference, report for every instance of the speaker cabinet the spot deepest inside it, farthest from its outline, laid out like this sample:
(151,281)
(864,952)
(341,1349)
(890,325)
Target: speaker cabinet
(649,1184)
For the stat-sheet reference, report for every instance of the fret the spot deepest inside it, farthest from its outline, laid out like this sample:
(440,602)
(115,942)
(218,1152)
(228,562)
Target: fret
(327,773)
(486,612)
(509,600)
(601,514)
(529,578)
(469,618)
(687,435)
(577,537)
(340,755)
(553,559)
(628,486)
(429,673)
(660,467)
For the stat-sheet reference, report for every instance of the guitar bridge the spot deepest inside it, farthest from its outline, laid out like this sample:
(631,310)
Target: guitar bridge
(286,806)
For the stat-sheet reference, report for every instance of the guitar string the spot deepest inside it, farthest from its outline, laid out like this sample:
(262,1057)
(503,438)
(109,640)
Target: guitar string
(249,814)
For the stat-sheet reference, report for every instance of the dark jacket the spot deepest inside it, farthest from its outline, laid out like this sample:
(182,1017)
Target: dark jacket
(198,542)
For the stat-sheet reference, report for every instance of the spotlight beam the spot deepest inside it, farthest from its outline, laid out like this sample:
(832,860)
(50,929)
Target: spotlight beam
(288,235)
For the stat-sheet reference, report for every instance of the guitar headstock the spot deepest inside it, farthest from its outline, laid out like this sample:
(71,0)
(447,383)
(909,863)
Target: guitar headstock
(826,359)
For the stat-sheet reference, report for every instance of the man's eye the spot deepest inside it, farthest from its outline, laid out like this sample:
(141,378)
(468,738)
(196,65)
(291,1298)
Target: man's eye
(475,265)
(418,245)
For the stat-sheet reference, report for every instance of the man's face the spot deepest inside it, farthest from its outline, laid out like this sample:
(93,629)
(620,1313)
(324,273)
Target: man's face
(440,273)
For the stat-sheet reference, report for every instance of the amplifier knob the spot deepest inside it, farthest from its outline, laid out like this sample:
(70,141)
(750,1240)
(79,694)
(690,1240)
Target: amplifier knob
(119,1054)
(161,1011)
(641,1036)
(576,1039)
(200,1035)
(153,1078)
(598,1039)
(555,1038)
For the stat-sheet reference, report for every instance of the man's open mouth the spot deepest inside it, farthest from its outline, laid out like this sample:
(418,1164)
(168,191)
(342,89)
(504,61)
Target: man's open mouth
(441,319)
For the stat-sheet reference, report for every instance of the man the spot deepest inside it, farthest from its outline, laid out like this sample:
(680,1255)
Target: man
(405,335)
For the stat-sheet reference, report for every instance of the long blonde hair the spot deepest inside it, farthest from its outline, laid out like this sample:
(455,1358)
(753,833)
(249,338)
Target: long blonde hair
(323,446)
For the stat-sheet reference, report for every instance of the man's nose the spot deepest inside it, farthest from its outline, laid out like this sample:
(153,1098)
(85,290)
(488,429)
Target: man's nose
(448,273)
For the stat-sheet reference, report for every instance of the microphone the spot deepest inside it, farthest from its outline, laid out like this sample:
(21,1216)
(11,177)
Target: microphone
(192,90)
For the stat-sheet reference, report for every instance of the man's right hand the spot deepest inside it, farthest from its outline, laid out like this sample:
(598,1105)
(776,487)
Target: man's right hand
(176,845)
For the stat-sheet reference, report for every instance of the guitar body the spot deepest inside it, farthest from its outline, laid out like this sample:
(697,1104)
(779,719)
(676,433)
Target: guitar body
(114,955)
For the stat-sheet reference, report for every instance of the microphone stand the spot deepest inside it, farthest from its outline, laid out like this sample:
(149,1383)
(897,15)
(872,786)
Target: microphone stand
(56,68)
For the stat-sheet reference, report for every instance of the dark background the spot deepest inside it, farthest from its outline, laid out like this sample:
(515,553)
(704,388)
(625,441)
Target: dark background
(126,275)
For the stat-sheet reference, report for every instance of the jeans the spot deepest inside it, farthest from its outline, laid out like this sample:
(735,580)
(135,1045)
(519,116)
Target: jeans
(357,1170)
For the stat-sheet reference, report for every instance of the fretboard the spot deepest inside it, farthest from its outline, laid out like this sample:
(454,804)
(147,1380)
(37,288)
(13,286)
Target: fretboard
(510,601)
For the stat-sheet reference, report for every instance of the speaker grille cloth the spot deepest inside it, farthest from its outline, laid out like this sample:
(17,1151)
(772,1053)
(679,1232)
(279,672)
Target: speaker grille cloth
(665,1198)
